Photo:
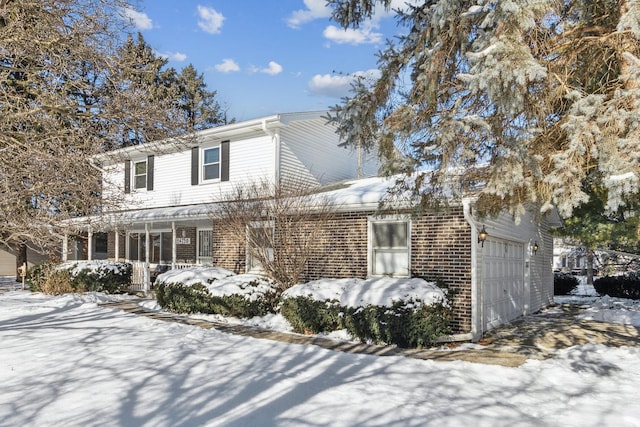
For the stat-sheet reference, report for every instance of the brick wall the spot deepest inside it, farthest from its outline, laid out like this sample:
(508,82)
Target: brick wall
(440,250)
(186,252)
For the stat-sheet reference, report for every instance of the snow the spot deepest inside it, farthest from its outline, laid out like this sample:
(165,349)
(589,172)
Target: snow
(382,291)
(94,266)
(65,360)
(192,275)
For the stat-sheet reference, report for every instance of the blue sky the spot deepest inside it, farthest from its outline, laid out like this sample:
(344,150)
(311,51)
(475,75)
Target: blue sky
(264,57)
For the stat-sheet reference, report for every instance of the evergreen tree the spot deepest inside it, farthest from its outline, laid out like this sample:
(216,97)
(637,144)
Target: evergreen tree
(524,96)
(198,105)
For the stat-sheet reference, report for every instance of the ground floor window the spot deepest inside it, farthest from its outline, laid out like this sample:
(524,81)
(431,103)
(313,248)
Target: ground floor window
(160,248)
(389,247)
(259,241)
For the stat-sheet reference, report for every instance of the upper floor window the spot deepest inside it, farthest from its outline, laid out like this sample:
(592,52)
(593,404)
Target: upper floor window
(140,175)
(389,247)
(211,164)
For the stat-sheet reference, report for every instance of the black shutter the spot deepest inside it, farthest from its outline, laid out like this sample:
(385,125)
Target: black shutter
(150,173)
(195,166)
(224,159)
(127,177)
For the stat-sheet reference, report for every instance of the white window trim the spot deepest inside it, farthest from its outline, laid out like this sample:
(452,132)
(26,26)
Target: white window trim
(370,252)
(134,187)
(203,164)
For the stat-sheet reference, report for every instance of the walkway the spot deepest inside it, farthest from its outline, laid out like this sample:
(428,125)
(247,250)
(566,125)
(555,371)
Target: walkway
(534,337)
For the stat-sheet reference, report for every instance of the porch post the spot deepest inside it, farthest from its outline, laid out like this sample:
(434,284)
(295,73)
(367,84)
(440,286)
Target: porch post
(89,244)
(117,243)
(147,275)
(173,244)
(65,248)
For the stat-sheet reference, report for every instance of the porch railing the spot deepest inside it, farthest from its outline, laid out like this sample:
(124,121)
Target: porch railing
(138,274)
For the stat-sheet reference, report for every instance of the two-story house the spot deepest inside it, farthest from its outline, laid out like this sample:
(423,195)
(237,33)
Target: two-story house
(164,190)
(497,269)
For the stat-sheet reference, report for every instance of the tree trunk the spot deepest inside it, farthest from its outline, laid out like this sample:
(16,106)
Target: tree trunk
(21,258)
(589,266)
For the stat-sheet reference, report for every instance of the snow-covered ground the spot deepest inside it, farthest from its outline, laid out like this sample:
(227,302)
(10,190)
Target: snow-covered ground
(65,361)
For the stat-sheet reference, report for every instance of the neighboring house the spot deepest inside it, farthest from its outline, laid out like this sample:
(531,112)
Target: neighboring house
(170,192)
(8,260)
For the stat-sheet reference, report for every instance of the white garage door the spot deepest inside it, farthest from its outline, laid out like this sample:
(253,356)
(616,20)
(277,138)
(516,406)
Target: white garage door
(502,282)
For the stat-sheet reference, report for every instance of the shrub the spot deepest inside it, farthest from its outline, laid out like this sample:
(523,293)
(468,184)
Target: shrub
(59,282)
(402,324)
(83,276)
(625,286)
(308,315)
(564,284)
(240,298)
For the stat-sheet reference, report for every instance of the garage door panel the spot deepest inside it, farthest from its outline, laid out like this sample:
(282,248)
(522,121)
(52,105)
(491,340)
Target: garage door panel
(502,282)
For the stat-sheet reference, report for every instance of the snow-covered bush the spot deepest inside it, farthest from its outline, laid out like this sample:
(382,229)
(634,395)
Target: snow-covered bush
(81,276)
(315,306)
(564,283)
(213,290)
(625,286)
(406,312)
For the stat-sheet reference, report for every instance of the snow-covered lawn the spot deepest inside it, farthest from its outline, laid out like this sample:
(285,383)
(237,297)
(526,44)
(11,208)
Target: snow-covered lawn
(65,361)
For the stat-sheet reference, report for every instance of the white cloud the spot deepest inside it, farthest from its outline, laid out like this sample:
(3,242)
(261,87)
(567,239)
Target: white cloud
(315,9)
(173,56)
(273,69)
(227,66)
(338,86)
(352,36)
(210,19)
(139,20)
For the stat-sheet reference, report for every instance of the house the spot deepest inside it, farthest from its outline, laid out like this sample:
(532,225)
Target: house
(497,269)
(165,190)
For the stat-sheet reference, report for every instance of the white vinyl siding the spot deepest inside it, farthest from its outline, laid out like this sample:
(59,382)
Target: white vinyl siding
(249,159)
(389,247)
(309,151)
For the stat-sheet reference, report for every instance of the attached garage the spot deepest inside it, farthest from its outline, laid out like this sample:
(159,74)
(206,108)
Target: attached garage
(512,274)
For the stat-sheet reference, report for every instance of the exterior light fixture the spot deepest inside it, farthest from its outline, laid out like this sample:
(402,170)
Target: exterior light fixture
(535,247)
(482,236)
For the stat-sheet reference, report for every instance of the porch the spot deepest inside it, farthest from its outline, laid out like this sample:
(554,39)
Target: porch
(151,240)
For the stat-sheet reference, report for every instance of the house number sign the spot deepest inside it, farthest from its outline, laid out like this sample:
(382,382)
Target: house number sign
(183,240)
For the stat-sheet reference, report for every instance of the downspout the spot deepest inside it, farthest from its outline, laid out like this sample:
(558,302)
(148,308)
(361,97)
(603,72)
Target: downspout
(275,137)
(476,301)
